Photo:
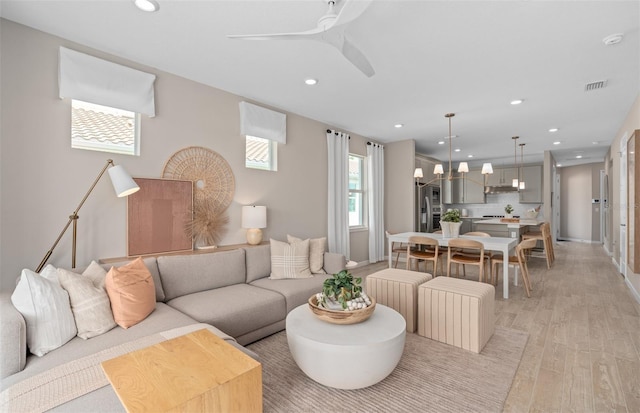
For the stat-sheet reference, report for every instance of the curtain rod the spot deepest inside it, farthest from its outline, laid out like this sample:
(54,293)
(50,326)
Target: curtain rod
(336,133)
(375,144)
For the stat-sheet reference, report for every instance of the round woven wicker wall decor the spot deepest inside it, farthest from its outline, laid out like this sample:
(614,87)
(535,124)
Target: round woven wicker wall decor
(214,183)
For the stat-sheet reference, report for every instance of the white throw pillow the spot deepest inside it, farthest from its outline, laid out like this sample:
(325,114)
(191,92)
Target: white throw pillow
(89,300)
(44,304)
(317,247)
(290,260)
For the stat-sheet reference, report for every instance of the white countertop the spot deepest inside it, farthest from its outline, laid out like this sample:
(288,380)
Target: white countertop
(523,222)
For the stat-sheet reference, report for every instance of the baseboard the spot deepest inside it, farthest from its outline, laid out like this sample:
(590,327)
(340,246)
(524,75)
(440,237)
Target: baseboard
(584,241)
(635,293)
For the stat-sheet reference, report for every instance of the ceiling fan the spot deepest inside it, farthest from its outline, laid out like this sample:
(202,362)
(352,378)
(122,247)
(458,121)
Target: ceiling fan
(330,30)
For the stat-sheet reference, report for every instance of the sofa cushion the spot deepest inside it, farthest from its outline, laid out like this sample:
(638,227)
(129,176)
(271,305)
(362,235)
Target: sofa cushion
(296,291)
(45,306)
(89,300)
(236,309)
(152,266)
(290,260)
(258,262)
(131,292)
(317,248)
(187,274)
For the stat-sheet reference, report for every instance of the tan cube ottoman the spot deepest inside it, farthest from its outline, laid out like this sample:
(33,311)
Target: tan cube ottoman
(398,289)
(457,312)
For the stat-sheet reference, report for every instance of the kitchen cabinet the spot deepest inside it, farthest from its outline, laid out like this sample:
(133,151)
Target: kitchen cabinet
(463,191)
(472,192)
(532,192)
(466,225)
(502,176)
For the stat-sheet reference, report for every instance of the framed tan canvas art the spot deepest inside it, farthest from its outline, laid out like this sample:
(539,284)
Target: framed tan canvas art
(158,215)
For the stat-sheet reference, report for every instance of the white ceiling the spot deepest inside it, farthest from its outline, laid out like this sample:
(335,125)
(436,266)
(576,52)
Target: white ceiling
(430,58)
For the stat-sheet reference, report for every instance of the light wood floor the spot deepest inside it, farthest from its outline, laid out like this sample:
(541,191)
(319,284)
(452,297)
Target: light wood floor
(583,353)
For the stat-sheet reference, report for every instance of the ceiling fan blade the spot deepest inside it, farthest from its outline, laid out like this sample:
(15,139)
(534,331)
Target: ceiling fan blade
(357,58)
(351,10)
(277,36)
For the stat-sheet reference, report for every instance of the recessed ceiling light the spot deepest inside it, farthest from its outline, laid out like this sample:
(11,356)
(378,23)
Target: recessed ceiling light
(311,82)
(457,150)
(558,164)
(398,125)
(441,143)
(469,156)
(147,5)
(516,102)
(613,39)
(595,142)
(452,136)
(578,156)
(553,130)
(556,143)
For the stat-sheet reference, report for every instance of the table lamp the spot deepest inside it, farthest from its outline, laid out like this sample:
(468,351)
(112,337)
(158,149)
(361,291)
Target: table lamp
(253,218)
(122,183)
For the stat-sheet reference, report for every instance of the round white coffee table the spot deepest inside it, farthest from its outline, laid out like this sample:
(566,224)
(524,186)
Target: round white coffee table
(346,356)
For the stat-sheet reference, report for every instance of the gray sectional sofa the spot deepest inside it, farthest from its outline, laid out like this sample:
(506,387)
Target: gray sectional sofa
(229,290)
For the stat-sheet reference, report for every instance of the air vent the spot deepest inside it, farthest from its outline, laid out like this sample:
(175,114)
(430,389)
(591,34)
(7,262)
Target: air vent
(595,85)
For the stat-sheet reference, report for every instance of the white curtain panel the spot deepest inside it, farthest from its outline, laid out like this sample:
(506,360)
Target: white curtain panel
(338,156)
(375,191)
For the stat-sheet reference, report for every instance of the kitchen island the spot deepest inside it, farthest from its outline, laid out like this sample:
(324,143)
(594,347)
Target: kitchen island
(496,228)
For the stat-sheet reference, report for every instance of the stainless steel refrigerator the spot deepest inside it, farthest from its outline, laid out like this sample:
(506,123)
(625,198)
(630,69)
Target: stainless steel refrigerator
(427,208)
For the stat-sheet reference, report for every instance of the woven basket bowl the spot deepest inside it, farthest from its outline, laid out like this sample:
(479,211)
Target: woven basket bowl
(341,317)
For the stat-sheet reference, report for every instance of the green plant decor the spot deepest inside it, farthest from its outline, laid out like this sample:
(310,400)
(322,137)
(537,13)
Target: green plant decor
(508,209)
(342,287)
(453,215)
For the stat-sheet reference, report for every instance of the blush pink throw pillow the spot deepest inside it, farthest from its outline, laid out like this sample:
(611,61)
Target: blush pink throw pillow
(131,292)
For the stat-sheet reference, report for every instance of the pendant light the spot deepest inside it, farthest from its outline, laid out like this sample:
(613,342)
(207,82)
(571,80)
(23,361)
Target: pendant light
(521,172)
(516,181)
(463,168)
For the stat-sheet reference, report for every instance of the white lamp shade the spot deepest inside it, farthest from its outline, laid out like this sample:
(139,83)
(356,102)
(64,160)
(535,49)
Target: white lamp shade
(122,182)
(463,167)
(438,170)
(515,183)
(487,168)
(254,216)
(418,173)
(522,186)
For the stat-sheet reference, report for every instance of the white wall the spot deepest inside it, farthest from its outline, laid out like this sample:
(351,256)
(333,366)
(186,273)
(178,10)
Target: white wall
(43,179)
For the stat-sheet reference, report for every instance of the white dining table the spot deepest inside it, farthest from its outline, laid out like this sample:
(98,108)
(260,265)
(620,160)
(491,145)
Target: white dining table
(500,244)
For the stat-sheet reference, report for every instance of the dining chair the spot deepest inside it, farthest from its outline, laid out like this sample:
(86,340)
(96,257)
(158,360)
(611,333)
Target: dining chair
(426,249)
(517,261)
(396,248)
(545,236)
(455,254)
(487,256)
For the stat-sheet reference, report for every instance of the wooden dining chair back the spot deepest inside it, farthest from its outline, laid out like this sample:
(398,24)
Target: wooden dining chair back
(425,249)
(545,236)
(519,261)
(397,248)
(459,252)
(474,253)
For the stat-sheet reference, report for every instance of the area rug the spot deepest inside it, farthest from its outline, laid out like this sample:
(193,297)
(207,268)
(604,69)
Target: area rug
(431,377)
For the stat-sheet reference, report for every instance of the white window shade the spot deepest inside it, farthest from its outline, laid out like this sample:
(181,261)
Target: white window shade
(263,123)
(89,79)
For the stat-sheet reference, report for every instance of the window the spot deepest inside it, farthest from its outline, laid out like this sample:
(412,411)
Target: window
(102,128)
(261,154)
(357,205)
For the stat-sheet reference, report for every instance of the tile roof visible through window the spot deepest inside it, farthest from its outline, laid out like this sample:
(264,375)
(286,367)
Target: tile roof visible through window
(104,128)
(258,151)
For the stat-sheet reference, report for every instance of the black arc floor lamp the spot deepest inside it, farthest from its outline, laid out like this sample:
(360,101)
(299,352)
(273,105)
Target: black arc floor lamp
(122,183)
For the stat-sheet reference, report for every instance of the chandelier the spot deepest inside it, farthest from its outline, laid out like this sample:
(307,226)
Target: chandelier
(463,167)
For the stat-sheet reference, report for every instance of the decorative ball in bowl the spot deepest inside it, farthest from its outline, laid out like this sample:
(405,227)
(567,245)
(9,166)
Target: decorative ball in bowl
(341,316)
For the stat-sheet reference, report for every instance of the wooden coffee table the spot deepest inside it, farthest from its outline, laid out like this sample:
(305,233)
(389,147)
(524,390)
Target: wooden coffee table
(197,372)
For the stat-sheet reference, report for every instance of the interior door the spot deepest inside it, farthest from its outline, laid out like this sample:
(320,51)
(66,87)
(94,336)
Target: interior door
(555,207)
